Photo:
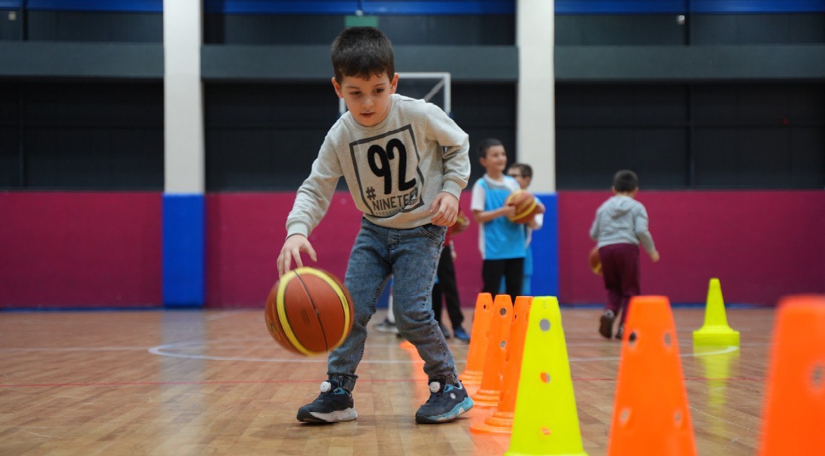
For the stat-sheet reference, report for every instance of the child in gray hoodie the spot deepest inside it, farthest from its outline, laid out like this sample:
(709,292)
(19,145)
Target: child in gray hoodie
(621,223)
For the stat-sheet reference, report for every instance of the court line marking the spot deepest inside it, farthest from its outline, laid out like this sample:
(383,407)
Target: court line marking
(162,350)
(273,382)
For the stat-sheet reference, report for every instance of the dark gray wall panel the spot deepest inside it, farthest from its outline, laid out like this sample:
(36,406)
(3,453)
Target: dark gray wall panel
(94,26)
(85,136)
(266,136)
(737,136)
(635,30)
(81,60)
(689,63)
(720,29)
(478,30)
(312,63)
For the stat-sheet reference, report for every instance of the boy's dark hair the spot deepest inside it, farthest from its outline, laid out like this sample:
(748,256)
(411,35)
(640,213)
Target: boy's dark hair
(625,181)
(486,144)
(523,168)
(362,52)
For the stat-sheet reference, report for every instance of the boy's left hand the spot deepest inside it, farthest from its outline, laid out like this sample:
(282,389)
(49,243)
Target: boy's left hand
(445,207)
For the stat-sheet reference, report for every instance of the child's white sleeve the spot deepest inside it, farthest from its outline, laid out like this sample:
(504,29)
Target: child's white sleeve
(478,199)
(539,219)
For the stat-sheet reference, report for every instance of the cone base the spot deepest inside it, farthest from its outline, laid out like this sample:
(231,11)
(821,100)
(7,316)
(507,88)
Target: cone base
(486,398)
(710,336)
(470,377)
(516,453)
(486,428)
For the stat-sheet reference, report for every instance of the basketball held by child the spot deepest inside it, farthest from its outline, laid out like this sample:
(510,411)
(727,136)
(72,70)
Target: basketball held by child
(526,206)
(309,311)
(595,261)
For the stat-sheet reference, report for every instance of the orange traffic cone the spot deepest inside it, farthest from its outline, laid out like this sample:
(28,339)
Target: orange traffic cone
(501,422)
(650,413)
(500,322)
(478,340)
(794,414)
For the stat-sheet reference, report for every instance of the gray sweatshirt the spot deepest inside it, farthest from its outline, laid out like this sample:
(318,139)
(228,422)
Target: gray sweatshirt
(622,220)
(393,170)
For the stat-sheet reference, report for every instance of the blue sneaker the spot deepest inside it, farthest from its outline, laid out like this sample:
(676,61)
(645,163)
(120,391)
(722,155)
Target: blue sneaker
(446,403)
(333,405)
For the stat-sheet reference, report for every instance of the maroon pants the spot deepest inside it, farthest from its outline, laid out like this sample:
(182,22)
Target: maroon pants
(620,267)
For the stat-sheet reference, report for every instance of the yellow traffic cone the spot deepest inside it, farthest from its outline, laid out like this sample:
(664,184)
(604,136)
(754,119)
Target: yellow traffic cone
(546,421)
(715,331)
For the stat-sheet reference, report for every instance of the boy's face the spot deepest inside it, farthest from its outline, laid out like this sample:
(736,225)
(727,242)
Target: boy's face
(523,182)
(495,160)
(368,100)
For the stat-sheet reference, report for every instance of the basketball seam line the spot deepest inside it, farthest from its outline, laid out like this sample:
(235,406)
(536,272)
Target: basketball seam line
(315,308)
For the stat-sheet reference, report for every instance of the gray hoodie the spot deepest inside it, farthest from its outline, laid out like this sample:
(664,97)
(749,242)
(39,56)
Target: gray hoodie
(622,220)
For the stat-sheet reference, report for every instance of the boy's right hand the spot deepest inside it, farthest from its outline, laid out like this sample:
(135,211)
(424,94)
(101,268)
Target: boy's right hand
(508,211)
(654,256)
(293,246)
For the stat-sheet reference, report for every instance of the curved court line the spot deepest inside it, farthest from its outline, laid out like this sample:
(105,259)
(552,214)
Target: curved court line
(161,350)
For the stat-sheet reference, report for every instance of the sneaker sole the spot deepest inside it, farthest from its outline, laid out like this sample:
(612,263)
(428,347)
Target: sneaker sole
(606,327)
(332,417)
(457,411)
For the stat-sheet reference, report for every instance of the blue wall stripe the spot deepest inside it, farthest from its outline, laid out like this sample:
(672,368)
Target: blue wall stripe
(440,7)
(281,6)
(619,6)
(757,6)
(184,246)
(545,243)
(571,7)
(435,7)
(400,7)
(143,6)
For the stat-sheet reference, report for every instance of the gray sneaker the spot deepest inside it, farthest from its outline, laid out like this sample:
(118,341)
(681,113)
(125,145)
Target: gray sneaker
(445,331)
(446,403)
(334,404)
(386,326)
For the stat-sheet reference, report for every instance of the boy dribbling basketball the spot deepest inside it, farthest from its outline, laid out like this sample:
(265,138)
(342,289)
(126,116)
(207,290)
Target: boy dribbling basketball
(405,162)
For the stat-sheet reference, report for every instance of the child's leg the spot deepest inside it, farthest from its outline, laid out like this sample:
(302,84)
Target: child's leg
(528,273)
(514,277)
(612,282)
(367,272)
(629,267)
(414,255)
(492,274)
(612,277)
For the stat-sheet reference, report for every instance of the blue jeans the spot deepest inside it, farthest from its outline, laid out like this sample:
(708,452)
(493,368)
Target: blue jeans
(411,258)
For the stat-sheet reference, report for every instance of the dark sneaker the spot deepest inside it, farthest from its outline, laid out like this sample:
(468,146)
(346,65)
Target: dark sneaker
(333,405)
(386,326)
(444,331)
(606,324)
(446,403)
(461,334)
(620,332)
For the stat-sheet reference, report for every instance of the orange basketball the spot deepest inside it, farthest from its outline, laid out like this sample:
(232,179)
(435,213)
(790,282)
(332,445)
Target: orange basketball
(526,206)
(461,223)
(595,261)
(309,312)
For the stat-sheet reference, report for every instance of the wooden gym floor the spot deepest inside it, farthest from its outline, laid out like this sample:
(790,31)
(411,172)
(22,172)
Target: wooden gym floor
(213,382)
